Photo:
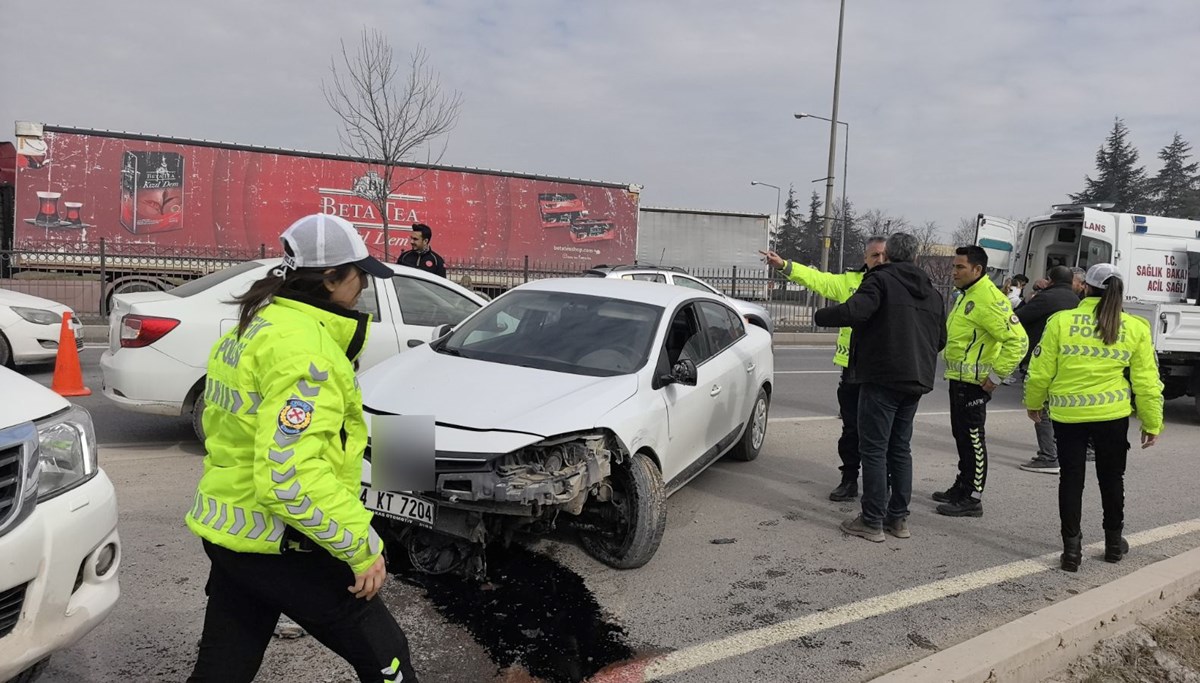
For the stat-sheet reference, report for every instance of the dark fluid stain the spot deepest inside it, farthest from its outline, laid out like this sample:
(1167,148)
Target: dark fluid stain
(776,573)
(852,663)
(739,609)
(533,612)
(769,522)
(827,570)
(752,585)
(810,643)
(921,641)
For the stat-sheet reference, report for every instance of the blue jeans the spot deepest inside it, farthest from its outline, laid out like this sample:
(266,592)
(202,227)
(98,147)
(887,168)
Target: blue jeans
(885,426)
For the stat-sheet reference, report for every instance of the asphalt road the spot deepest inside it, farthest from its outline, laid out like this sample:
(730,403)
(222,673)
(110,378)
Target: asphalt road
(782,595)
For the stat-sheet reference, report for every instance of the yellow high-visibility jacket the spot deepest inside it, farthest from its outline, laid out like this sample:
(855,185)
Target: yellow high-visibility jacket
(835,287)
(1082,379)
(285,435)
(983,336)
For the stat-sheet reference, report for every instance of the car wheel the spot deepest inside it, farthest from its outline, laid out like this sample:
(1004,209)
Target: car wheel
(6,359)
(755,433)
(637,514)
(198,418)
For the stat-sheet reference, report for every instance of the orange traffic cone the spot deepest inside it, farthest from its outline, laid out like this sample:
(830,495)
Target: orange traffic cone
(68,377)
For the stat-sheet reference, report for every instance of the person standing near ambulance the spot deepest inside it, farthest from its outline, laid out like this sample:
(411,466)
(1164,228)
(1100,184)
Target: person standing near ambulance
(1078,370)
(839,287)
(277,507)
(985,343)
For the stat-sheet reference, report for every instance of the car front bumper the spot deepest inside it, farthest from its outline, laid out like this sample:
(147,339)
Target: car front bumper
(49,563)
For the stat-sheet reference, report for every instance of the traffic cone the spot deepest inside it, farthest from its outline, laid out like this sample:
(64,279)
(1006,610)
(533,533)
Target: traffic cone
(68,377)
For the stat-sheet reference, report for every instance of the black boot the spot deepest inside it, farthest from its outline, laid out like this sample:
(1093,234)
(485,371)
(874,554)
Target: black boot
(1072,552)
(847,490)
(1115,547)
(949,495)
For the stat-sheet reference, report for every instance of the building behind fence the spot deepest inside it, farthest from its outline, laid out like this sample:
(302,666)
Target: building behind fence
(85,277)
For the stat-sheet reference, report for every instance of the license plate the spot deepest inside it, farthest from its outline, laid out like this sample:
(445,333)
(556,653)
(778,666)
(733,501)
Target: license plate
(399,506)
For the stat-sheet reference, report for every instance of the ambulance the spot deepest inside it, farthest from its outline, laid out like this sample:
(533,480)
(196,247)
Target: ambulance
(1159,259)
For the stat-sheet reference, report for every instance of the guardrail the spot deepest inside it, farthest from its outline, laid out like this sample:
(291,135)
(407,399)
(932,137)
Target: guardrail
(85,277)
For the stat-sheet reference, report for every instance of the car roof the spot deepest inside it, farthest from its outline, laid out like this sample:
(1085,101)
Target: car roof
(634,267)
(408,271)
(654,293)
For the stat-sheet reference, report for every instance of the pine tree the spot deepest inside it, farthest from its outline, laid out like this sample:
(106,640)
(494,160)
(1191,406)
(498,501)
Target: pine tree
(1118,177)
(1173,191)
(788,237)
(812,232)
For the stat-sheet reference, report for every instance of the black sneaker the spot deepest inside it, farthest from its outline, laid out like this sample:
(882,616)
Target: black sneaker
(949,495)
(846,491)
(1041,465)
(965,506)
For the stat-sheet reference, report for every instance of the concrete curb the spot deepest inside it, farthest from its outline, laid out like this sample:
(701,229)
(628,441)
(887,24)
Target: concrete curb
(1043,643)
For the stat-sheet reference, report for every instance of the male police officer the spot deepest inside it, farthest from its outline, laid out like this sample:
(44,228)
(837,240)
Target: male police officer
(985,342)
(839,287)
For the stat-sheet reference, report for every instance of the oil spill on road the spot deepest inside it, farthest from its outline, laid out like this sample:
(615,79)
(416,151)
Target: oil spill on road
(532,612)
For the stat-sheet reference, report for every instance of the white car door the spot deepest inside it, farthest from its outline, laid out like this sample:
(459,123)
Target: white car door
(690,409)
(424,305)
(383,341)
(731,369)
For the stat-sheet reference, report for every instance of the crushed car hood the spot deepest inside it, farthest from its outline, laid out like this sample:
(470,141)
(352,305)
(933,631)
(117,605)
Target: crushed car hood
(478,395)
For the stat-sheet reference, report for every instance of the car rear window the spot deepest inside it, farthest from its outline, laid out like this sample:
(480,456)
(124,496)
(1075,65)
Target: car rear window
(196,286)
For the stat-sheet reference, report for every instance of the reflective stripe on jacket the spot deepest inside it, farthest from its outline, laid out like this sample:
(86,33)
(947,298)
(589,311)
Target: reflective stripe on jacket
(837,288)
(285,435)
(1082,379)
(983,335)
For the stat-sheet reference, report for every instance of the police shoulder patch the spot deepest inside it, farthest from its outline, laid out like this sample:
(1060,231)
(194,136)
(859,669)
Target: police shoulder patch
(969,307)
(1037,350)
(1014,319)
(295,417)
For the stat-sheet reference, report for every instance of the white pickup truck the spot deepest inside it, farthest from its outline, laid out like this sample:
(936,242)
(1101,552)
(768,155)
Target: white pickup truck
(1159,260)
(59,549)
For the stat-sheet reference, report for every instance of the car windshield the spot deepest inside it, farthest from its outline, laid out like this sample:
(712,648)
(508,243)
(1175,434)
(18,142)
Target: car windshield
(559,331)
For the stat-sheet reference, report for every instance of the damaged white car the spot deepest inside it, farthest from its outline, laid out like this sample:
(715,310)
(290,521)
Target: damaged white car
(573,403)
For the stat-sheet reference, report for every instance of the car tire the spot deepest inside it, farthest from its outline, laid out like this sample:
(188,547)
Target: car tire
(640,495)
(6,357)
(755,434)
(198,418)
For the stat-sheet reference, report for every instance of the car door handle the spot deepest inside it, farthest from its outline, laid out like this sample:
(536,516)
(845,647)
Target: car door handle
(414,343)
(750,367)
(715,390)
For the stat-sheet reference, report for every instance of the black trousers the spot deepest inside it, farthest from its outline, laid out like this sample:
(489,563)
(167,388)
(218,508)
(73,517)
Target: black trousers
(1111,440)
(847,396)
(248,591)
(968,413)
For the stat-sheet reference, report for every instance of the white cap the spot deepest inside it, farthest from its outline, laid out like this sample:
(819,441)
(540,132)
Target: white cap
(1098,274)
(324,241)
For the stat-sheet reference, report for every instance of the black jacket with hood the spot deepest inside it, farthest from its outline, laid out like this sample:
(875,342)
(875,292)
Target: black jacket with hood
(899,324)
(1034,313)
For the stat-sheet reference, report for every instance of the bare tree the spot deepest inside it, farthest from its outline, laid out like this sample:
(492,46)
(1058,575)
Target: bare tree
(964,234)
(388,117)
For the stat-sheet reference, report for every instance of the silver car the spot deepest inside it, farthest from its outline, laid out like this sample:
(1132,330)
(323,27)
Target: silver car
(754,313)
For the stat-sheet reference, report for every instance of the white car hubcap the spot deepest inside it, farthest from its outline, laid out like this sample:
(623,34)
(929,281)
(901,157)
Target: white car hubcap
(760,423)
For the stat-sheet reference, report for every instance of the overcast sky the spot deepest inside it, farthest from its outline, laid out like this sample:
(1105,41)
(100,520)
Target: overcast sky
(955,108)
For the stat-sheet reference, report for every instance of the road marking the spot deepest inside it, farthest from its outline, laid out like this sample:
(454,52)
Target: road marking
(808,372)
(704,654)
(937,413)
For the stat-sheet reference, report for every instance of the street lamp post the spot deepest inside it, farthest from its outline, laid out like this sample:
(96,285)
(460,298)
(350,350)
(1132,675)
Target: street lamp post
(770,244)
(837,88)
(845,169)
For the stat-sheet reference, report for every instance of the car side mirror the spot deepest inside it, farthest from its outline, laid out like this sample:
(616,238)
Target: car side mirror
(683,372)
(442,330)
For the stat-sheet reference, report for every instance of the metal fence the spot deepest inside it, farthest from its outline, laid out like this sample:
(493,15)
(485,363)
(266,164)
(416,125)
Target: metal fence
(85,277)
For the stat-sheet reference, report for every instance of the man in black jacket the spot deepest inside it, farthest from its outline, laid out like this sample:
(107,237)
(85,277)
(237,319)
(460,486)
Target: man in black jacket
(421,255)
(1060,295)
(899,327)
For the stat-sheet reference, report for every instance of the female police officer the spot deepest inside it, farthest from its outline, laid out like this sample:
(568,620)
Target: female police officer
(1079,370)
(278,507)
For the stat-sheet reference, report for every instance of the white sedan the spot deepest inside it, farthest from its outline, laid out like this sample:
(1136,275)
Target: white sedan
(159,341)
(30,327)
(578,403)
